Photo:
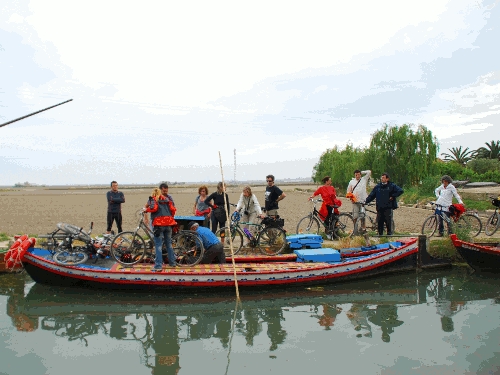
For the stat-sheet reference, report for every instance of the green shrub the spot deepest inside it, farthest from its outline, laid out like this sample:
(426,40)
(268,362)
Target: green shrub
(481,166)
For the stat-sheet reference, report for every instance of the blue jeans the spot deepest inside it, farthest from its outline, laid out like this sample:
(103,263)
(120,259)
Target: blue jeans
(163,235)
(441,221)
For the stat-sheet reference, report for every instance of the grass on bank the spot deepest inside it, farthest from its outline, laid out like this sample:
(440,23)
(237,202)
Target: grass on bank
(415,195)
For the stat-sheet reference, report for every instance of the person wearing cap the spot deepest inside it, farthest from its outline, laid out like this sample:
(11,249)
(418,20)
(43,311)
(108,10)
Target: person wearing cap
(214,250)
(444,194)
(385,193)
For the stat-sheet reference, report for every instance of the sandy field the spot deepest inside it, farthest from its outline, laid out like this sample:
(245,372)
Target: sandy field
(37,210)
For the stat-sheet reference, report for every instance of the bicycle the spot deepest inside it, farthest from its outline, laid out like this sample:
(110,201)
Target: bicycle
(129,248)
(370,221)
(270,238)
(493,221)
(468,221)
(340,225)
(62,244)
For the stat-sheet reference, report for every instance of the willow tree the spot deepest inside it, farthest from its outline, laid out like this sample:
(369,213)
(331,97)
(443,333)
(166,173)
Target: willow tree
(339,164)
(406,152)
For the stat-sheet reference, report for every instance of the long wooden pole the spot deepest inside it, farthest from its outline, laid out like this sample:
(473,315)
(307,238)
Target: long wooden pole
(34,113)
(229,226)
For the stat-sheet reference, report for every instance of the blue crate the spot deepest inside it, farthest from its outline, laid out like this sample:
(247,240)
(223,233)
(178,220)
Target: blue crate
(324,255)
(304,237)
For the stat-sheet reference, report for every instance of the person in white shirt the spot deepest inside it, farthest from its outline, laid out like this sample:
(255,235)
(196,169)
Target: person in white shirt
(357,186)
(251,209)
(444,194)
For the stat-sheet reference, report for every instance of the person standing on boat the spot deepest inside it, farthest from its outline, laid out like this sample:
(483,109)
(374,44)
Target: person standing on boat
(218,215)
(444,194)
(273,195)
(200,208)
(214,250)
(115,199)
(329,196)
(385,193)
(357,191)
(162,209)
(251,209)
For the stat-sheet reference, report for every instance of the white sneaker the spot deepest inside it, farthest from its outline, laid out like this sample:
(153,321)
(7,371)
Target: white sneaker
(329,237)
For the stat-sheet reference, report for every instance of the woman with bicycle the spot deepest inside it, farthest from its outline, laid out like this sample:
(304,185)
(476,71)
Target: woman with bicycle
(251,210)
(329,196)
(444,194)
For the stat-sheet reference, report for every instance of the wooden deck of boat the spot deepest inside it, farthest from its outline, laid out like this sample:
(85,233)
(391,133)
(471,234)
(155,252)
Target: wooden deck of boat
(222,268)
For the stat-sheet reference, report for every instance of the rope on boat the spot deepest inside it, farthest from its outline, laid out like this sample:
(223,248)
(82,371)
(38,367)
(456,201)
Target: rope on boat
(227,221)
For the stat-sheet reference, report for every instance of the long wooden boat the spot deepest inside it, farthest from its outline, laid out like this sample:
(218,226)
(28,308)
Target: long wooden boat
(39,265)
(482,257)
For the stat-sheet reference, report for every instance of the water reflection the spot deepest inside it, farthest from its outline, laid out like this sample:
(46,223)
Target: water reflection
(162,324)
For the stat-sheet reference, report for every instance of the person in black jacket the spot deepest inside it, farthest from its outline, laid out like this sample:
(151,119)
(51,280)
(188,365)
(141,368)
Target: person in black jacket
(115,199)
(218,214)
(385,193)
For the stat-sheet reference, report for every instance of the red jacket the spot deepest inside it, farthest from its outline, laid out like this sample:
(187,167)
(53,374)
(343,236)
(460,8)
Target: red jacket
(162,211)
(329,196)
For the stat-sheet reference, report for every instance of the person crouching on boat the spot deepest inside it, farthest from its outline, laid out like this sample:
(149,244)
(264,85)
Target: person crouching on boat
(162,210)
(214,250)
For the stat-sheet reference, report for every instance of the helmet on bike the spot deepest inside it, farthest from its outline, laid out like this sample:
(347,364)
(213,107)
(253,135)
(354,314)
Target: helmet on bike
(446,178)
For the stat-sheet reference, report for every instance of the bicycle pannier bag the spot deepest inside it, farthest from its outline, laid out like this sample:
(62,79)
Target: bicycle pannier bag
(273,223)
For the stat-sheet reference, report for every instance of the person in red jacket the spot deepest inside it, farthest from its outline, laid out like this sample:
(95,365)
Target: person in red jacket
(329,196)
(162,210)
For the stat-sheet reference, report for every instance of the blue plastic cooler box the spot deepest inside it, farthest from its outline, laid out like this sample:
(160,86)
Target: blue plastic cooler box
(310,241)
(318,255)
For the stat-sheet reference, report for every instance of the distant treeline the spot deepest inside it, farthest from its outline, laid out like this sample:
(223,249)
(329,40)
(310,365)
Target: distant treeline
(409,154)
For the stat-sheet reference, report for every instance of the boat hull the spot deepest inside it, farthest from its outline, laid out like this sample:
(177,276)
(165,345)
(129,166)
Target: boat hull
(484,259)
(250,275)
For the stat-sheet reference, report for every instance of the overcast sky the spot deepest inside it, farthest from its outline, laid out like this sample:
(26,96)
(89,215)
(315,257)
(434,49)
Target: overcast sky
(160,87)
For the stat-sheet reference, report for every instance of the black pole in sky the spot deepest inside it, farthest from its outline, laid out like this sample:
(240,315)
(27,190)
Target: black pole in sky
(34,113)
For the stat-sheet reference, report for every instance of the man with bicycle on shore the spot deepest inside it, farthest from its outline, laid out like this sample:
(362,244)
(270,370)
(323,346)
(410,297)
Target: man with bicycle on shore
(444,194)
(386,193)
(357,187)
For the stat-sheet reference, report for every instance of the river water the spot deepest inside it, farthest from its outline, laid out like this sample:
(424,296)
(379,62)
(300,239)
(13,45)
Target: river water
(443,322)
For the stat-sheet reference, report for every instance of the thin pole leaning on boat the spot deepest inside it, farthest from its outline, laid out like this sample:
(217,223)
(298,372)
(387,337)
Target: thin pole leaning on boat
(34,113)
(227,221)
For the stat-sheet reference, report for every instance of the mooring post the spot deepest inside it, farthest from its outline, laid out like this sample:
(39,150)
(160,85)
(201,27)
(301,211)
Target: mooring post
(422,250)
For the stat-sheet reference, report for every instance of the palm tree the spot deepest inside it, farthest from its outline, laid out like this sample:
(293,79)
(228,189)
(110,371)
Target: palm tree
(458,155)
(491,151)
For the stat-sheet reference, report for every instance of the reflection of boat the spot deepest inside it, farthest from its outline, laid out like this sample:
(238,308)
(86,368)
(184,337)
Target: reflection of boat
(399,257)
(481,257)
(161,323)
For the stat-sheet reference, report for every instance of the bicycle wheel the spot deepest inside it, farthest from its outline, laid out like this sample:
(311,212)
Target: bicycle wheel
(308,225)
(128,248)
(271,241)
(470,223)
(344,227)
(236,236)
(188,248)
(70,257)
(429,226)
(491,225)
